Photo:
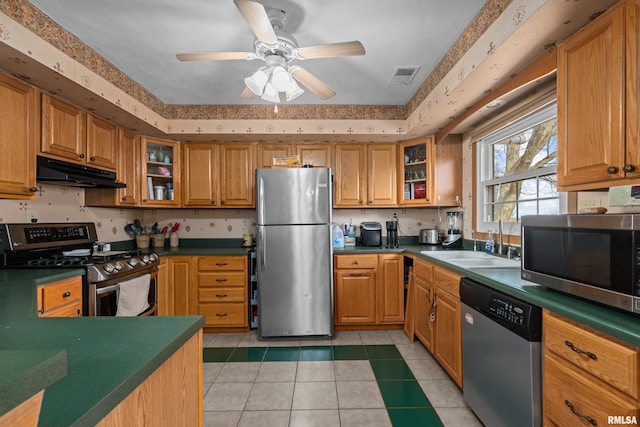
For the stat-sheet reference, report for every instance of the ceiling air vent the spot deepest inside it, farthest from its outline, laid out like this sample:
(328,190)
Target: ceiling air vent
(403,75)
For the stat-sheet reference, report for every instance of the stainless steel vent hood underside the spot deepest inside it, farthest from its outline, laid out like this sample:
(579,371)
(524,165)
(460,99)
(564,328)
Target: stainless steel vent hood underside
(56,172)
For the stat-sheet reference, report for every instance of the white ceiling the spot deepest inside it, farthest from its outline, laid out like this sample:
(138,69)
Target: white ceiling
(142,37)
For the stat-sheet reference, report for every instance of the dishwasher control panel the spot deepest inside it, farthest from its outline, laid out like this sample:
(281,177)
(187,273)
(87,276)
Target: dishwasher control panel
(508,309)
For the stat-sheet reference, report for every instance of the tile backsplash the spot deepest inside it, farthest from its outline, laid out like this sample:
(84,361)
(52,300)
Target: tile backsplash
(66,204)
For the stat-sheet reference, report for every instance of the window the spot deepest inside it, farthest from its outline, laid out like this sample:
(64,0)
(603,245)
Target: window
(518,170)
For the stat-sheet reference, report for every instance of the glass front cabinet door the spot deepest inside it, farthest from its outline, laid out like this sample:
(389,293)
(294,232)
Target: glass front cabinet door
(160,172)
(416,172)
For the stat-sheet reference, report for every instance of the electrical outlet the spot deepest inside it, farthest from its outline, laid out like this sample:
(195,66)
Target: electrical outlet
(590,203)
(32,215)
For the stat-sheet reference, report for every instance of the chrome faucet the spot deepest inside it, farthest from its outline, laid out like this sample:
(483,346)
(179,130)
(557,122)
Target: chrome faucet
(500,236)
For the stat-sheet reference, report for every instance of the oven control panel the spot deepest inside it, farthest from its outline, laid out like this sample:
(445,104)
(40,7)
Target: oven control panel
(17,237)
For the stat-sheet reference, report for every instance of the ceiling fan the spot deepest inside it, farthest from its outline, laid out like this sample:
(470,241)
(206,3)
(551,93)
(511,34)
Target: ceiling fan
(278,80)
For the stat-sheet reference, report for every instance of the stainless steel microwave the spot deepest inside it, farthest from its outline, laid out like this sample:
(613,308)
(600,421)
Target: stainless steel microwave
(596,257)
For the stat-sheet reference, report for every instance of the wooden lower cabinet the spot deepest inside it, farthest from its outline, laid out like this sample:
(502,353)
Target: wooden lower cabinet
(182,285)
(369,289)
(437,321)
(62,298)
(164,293)
(223,291)
(588,376)
(423,302)
(171,396)
(355,297)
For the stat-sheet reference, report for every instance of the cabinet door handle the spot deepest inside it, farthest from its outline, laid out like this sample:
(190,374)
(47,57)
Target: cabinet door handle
(585,417)
(66,294)
(33,189)
(93,159)
(612,170)
(222,202)
(81,156)
(629,168)
(579,351)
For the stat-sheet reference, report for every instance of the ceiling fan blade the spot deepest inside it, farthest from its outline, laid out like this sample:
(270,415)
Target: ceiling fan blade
(248,94)
(258,20)
(331,50)
(215,56)
(312,83)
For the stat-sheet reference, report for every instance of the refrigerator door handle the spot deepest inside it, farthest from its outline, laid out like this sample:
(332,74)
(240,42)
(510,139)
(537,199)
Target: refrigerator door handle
(262,251)
(260,201)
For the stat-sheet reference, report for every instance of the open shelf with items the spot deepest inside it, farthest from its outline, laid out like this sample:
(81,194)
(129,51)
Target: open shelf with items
(253,288)
(416,172)
(160,172)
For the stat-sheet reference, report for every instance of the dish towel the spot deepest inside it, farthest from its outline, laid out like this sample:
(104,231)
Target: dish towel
(133,296)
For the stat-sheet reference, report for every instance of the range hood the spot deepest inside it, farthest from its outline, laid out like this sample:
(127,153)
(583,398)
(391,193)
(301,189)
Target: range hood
(51,171)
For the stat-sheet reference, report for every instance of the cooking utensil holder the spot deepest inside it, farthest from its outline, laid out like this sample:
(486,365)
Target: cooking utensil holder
(142,241)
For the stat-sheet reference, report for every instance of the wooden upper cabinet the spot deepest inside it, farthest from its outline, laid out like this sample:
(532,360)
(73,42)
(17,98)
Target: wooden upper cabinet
(63,129)
(632,65)
(416,165)
(316,155)
(160,177)
(200,174)
(381,175)
(591,102)
(237,175)
(128,171)
(18,138)
(266,152)
(350,179)
(68,133)
(102,143)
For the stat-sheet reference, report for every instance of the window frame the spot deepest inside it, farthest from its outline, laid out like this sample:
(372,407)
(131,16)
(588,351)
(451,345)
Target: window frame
(527,114)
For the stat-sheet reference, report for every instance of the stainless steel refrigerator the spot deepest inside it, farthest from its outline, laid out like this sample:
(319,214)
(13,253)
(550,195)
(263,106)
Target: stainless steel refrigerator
(294,252)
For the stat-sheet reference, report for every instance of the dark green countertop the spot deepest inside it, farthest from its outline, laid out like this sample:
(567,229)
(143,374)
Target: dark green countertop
(613,322)
(106,357)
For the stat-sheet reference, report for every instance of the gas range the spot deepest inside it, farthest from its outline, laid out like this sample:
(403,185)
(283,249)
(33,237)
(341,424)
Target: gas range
(55,245)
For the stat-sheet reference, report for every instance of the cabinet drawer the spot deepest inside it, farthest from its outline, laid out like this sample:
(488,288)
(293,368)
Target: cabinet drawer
(222,295)
(59,293)
(222,279)
(447,281)
(225,314)
(222,263)
(424,270)
(565,387)
(356,261)
(612,362)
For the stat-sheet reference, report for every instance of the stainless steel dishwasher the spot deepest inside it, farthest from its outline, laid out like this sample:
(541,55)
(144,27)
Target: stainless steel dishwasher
(501,359)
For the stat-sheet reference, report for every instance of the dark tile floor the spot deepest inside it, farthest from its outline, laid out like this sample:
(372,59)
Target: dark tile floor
(358,378)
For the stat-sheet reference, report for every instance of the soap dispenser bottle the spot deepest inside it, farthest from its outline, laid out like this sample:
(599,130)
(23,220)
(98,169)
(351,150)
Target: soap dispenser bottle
(350,236)
(489,244)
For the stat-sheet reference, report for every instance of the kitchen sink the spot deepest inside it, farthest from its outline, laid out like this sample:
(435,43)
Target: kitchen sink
(472,260)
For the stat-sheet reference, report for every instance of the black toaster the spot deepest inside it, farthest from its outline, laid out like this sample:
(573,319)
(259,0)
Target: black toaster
(371,233)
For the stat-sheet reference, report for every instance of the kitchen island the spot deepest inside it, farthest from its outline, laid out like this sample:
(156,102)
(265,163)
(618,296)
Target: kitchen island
(110,361)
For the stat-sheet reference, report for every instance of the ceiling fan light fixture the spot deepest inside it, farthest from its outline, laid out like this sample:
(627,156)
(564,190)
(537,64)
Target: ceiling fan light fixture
(280,79)
(270,93)
(257,81)
(293,91)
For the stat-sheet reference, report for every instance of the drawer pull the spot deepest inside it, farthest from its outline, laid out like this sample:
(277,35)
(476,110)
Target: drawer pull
(355,274)
(221,280)
(221,295)
(585,417)
(220,264)
(577,350)
(66,294)
(221,314)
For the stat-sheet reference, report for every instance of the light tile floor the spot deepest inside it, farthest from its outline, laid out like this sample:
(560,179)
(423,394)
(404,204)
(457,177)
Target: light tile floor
(358,378)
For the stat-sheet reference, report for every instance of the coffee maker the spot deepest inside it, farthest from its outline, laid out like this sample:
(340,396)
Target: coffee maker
(454,230)
(392,234)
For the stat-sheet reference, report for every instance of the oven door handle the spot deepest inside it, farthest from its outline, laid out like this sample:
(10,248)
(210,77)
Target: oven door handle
(108,289)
